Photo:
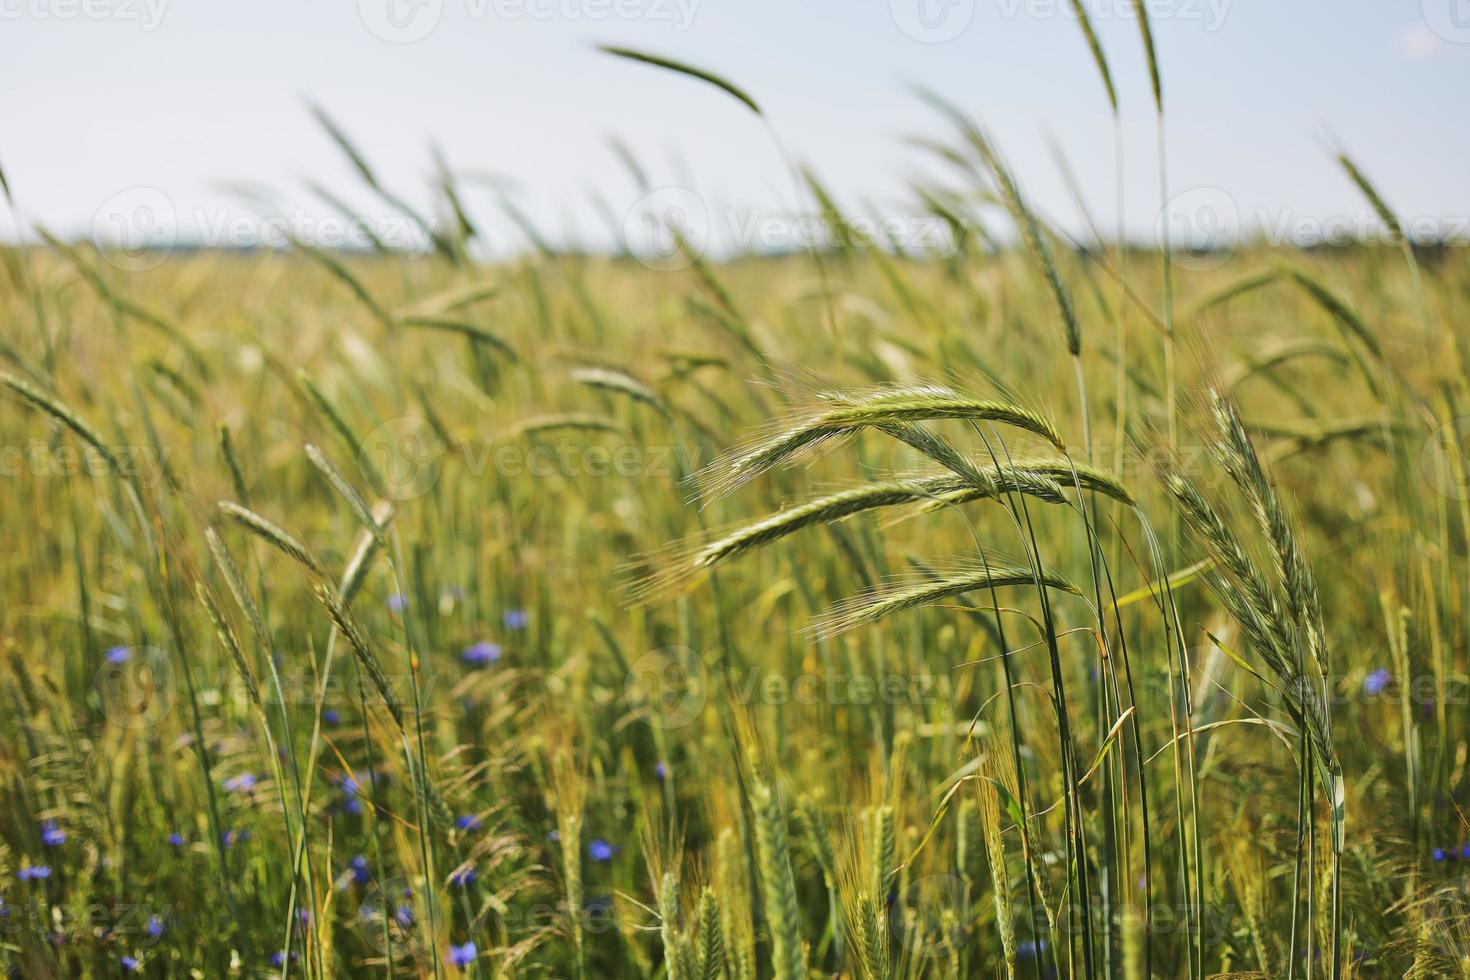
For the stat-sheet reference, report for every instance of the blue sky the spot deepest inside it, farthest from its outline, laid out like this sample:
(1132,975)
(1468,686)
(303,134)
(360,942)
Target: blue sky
(178,96)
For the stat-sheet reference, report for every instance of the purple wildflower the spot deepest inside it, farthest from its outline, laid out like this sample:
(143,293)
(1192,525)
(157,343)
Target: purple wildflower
(601,850)
(331,718)
(129,964)
(467,821)
(242,783)
(52,835)
(118,656)
(155,926)
(515,619)
(661,770)
(464,877)
(397,602)
(35,872)
(463,956)
(480,654)
(176,840)
(1376,681)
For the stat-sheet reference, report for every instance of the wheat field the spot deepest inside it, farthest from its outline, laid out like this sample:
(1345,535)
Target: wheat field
(1026,607)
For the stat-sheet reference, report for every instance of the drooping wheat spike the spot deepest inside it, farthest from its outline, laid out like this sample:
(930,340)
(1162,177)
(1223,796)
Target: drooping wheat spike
(581,421)
(1079,10)
(658,61)
(235,582)
(351,630)
(1299,584)
(227,639)
(60,411)
(1379,205)
(1146,31)
(778,886)
(232,461)
(464,328)
(988,821)
(710,963)
(1247,283)
(958,578)
(271,533)
(1341,311)
(368,545)
(811,430)
(345,489)
(621,383)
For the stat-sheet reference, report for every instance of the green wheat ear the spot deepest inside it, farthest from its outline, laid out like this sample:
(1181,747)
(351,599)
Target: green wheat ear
(778,886)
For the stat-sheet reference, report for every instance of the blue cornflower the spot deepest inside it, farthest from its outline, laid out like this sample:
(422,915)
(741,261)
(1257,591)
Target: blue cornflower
(359,867)
(233,837)
(35,872)
(480,654)
(155,926)
(601,850)
(1376,681)
(1438,854)
(331,718)
(463,956)
(1465,852)
(52,835)
(1026,949)
(176,840)
(403,915)
(554,836)
(129,963)
(118,656)
(661,770)
(464,877)
(515,619)
(467,821)
(397,602)
(242,783)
